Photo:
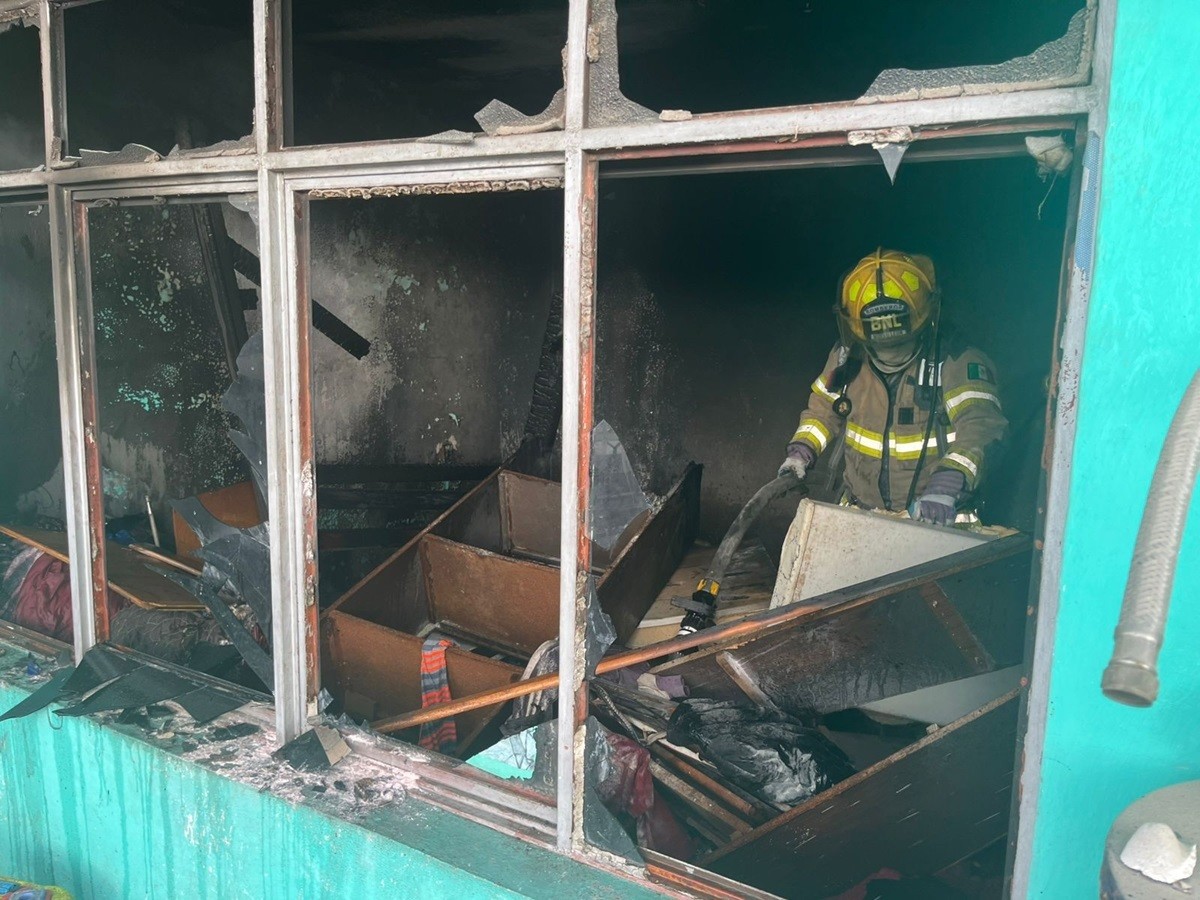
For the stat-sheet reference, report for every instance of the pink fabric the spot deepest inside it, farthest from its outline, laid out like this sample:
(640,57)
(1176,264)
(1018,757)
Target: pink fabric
(44,600)
(630,789)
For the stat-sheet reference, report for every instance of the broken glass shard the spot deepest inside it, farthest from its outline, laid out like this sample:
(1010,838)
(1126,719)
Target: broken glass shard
(891,154)
(617,496)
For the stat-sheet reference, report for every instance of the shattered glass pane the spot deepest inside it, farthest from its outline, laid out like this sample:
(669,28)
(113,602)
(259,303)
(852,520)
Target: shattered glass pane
(1061,61)
(366,71)
(189,66)
(180,391)
(600,825)
(21,137)
(617,496)
(607,105)
(723,55)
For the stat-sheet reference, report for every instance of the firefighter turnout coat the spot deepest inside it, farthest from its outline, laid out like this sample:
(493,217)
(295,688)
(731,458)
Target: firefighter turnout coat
(889,418)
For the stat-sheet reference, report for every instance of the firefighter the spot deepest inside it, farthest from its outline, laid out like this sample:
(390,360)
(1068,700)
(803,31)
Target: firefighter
(915,415)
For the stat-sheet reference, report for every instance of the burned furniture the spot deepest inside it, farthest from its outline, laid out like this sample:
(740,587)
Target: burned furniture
(921,800)
(486,573)
(830,546)
(936,622)
(128,575)
(922,808)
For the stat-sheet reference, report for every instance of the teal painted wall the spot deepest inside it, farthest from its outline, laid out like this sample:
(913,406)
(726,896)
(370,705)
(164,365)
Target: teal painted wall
(1141,349)
(108,816)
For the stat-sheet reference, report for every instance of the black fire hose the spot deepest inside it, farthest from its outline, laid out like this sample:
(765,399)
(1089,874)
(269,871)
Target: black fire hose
(701,608)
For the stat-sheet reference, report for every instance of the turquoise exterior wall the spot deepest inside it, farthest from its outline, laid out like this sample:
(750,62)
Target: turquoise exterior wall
(1142,347)
(108,816)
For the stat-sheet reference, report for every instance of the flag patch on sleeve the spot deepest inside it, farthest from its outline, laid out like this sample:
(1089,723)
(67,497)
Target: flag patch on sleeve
(980,372)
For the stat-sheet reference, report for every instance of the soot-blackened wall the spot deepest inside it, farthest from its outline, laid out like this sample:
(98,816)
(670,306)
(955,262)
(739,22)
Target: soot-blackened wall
(160,364)
(30,443)
(453,293)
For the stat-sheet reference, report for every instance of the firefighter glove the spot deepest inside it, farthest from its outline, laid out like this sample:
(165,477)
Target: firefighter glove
(939,504)
(800,456)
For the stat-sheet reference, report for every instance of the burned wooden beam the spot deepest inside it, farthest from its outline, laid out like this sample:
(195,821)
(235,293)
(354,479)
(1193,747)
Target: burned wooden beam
(717,815)
(222,281)
(339,332)
(245,263)
(323,320)
(128,574)
(748,808)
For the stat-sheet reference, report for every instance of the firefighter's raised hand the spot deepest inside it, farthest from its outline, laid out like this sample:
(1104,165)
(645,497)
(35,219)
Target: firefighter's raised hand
(794,467)
(938,505)
(800,457)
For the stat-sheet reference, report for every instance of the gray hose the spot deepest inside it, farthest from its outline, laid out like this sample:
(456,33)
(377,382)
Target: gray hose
(1132,674)
(729,545)
(702,605)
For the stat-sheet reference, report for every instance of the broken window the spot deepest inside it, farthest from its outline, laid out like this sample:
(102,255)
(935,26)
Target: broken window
(726,55)
(159,75)
(31,477)
(437,387)
(182,435)
(368,71)
(21,135)
(436,348)
(711,328)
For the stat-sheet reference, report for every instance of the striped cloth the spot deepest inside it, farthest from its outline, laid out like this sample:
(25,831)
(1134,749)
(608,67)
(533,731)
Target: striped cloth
(442,735)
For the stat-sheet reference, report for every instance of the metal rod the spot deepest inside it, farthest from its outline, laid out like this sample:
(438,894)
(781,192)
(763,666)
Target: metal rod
(16,184)
(791,144)
(149,193)
(264,12)
(291,490)
(284,119)
(526,173)
(153,524)
(844,158)
(609,664)
(300,246)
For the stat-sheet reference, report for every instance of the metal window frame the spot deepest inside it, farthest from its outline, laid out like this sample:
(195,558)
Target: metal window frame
(284,242)
(281,177)
(1075,298)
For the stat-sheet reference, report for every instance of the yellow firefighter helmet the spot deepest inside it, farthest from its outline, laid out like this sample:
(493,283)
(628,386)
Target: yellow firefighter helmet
(889,297)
